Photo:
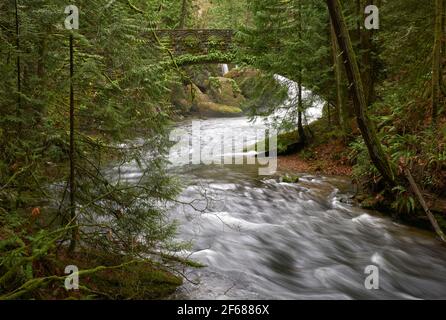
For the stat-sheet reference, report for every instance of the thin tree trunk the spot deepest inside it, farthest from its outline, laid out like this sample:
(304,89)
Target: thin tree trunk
(183,15)
(366,126)
(340,111)
(443,50)
(300,127)
(300,107)
(358,19)
(43,47)
(329,113)
(366,45)
(18,63)
(72,156)
(436,64)
(443,30)
(19,86)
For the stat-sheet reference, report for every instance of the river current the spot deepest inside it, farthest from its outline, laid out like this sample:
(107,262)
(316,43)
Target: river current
(261,238)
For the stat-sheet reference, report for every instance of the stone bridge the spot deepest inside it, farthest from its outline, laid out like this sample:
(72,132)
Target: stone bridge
(195,41)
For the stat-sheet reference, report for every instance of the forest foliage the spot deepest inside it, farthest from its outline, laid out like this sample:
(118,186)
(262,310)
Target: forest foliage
(121,92)
(404,100)
(121,89)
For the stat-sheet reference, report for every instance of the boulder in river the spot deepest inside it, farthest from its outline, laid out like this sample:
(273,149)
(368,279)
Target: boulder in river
(290,178)
(225,91)
(190,98)
(213,109)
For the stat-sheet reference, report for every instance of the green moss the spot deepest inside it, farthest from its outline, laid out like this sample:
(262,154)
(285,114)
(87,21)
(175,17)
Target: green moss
(219,110)
(290,178)
(235,88)
(187,262)
(284,140)
(320,135)
(228,109)
(215,57)
(214,83)
(441,221)
(139,281)
(215,42)
(103,275)
(191,42)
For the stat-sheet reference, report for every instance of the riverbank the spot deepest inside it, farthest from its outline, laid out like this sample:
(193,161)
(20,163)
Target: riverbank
(269,238)
(34,246)
(326,154)
(325,159)
(41,273)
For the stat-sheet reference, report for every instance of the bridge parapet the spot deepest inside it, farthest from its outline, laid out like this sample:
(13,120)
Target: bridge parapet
(196,41)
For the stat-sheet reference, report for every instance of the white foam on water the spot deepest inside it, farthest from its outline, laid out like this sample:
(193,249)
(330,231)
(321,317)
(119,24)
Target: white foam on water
(366,218)
(378,259)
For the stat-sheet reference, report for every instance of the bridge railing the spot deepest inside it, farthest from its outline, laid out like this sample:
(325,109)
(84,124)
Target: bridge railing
(195,41)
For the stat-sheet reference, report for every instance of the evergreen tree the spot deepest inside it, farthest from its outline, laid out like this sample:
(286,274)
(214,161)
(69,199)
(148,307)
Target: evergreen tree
(119,92)
(282,40)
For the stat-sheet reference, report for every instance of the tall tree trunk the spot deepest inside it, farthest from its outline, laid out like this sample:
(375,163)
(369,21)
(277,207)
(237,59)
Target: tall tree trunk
(300,111)
(366,46)
(358,19)
(366,126)
(341,112)
(183,14)
(300,106)
(72,156)
(18,62)
(443,30)
(43,48)
(19,86)
(443,50)
(328,106)
(436,64)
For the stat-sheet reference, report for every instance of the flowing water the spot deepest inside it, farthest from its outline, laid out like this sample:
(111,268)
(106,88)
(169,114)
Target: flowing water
(224,69)
(263,239)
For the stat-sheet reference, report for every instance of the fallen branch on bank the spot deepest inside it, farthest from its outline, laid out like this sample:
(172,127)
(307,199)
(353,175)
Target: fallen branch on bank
(426,209)
(37,283)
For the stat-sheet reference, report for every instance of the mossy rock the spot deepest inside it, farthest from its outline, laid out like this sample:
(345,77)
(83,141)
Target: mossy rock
(222,98)
(213,109)
(138,281)
(290,178)
(200,74)
(187,98)
(183,105)
(179,98)
(286,144)
(225,91)
(245,79)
